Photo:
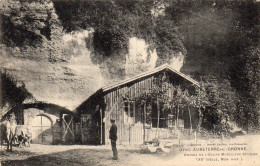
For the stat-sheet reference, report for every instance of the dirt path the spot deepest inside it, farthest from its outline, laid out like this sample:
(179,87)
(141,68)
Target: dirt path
(77,155)
(81,155)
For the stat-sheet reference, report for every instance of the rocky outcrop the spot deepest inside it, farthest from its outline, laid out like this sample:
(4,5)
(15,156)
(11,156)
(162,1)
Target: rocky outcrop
(69,83)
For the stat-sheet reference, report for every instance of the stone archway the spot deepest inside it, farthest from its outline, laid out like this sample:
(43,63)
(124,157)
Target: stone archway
(42,132)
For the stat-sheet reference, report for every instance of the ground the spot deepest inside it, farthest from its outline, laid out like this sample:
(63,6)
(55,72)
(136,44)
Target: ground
(74,155)
(78,155)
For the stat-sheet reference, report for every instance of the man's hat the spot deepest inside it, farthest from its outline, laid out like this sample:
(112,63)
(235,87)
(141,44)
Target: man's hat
(112,120)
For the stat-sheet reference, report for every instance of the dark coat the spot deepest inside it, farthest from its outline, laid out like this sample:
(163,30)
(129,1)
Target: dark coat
(112,132)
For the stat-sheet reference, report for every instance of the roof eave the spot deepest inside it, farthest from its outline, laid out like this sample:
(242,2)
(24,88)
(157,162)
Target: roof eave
(160,68)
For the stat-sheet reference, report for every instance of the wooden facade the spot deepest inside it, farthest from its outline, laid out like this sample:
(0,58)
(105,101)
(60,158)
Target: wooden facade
(120,102)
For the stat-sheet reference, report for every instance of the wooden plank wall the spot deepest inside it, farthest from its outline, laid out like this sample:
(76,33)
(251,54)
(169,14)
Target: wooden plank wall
(115,97)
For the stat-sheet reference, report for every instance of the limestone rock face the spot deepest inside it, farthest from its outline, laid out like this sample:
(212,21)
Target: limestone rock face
(70,82)
(141,57)
(67,84)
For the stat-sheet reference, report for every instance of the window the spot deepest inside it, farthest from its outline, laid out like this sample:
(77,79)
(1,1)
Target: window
(129,108)
(171,121)
(126,107)
(181,115)
(162,117)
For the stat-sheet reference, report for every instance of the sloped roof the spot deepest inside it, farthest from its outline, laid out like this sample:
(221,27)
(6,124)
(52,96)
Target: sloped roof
(155,70)
(90,103)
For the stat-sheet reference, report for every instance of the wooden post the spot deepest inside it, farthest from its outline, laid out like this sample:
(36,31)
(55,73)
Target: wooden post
(178,107)
(195,136)
(72,128)
(190,119)
(200,113)
(101,127)
(158,120)
(144,120)
(81,132)
(129,134)
(128,108)
(64,129)
(134,110)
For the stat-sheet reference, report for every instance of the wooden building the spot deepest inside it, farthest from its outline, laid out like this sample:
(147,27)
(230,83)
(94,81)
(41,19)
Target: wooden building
(139,119)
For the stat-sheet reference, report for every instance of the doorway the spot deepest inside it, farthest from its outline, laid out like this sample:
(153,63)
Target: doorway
(42,130)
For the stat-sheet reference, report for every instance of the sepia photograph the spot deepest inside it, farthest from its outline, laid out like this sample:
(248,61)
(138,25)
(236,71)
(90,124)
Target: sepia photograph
(129,82)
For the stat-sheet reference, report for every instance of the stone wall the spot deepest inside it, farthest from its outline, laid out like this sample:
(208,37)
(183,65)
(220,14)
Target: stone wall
(31,113)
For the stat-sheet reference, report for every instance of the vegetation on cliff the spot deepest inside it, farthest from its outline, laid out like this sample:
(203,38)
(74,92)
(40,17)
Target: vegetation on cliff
(218,38)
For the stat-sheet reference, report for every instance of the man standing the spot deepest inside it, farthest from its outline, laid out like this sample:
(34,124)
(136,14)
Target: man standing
(113,138)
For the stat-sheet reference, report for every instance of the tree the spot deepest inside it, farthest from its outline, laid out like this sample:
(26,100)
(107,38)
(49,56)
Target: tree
(218,101)
(165,105)
(168,41)
(13,94)
(249,91)
(33,28)
(29,22)
(114,22)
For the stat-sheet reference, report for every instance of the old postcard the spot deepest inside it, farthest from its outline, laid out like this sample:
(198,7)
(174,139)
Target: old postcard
(130,82)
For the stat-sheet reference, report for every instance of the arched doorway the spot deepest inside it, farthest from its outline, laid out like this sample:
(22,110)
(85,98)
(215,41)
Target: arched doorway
(42,130)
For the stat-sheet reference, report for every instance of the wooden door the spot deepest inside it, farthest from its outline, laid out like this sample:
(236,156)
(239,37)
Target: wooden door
(42,130)
(136,133)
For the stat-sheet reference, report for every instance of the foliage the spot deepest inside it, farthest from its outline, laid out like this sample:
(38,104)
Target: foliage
(168,40)
(28,23)
(159,94)
(218,100)
(107,42)
(222,41)
(115,21)
(248,107)
(215,100)
(219,38)
(32,29)
(13,93)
